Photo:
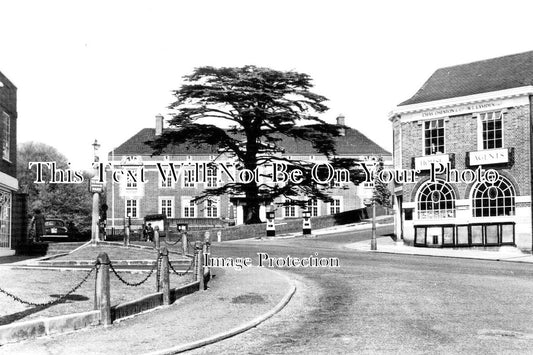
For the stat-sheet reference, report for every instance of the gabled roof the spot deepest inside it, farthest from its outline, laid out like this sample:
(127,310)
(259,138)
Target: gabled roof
(495,74)
(353,143)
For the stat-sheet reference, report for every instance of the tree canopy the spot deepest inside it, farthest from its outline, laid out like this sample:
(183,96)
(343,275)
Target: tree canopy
(70,202)
(381,193)
(260,107)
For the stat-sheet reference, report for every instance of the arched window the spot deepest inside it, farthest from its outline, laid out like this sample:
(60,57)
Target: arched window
(493,199)
(436,200)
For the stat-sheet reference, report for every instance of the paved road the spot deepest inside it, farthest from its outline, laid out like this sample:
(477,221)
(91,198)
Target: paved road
(384,303)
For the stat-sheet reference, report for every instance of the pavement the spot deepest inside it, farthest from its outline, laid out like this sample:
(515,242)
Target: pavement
(235,301)
(4,253)
(388,245)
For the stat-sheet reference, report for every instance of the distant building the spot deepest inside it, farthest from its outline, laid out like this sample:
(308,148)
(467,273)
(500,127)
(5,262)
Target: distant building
(155,196)
(470,116)
(11,206)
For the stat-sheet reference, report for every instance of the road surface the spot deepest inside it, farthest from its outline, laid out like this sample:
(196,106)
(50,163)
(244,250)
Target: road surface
(386,303)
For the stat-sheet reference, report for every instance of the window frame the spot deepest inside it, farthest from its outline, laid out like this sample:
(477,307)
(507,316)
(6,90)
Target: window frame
(435,213)
(468,229)
(169,181)
(134,210)
(187,206)
(480,129)
(172,206)
(314,207)
(339,207)
(209,177)
(130,184)
(481,205)
(424,138)
(189,173)
(210,205)
(290,211)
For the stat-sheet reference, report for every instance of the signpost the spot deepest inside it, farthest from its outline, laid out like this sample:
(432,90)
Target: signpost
(95,186)
(270,227)
(306,224)
(368,202)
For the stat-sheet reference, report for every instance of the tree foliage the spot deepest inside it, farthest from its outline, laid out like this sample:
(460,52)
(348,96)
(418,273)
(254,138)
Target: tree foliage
(262,107)
(70,202)
(381,193)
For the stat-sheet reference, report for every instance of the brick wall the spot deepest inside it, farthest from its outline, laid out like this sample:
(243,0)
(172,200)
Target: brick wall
(461,138)
(148,197)
(282,227)
(8,104)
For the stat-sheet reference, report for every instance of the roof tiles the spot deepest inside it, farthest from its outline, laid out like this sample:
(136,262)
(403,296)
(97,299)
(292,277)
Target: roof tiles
(494,74)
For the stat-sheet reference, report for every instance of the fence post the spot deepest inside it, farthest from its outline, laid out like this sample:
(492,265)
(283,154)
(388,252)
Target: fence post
(127,232)
(199,264)
(207,243)
(195,260)
(165,277)
(156,237)
(184,246)
(206,253)
(103,292)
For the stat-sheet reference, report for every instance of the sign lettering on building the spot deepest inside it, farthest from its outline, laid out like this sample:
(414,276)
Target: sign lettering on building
(462,109)
(424,163)
(486,157)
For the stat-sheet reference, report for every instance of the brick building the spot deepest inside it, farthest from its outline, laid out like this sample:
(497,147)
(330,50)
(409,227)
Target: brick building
(173,198)
(467,117)
(11,204)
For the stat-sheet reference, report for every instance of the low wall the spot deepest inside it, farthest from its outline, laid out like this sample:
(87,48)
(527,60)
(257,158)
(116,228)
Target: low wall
(61,324)
(293,225)
(142,304)
(47,326)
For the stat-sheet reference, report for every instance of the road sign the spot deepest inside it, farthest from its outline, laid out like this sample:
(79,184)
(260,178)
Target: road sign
(95,186)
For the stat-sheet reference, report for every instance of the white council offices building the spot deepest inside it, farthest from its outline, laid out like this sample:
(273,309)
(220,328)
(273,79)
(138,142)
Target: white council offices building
(476,115)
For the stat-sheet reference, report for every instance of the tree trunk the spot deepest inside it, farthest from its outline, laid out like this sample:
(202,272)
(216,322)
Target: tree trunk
(251,213)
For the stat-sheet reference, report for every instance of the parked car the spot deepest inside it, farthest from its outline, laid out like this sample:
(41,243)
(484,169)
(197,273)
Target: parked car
(55,228)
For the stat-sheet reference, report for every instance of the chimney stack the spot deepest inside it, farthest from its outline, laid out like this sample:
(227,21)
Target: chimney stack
(158,125)
(341,122)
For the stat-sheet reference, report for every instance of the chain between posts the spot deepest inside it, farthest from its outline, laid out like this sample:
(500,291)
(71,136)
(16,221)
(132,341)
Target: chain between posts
(191,245)
(135,284)
(52,302)
(183,273)
(176,242)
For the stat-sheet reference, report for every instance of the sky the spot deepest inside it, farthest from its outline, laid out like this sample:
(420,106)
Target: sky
(103,70)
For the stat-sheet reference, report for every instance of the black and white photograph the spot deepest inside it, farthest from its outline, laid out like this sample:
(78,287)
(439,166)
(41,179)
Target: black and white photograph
(266,177)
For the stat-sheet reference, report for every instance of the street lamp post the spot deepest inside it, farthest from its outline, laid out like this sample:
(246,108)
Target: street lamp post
(373,243)
(95,230)
(371,202)
(127,231)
